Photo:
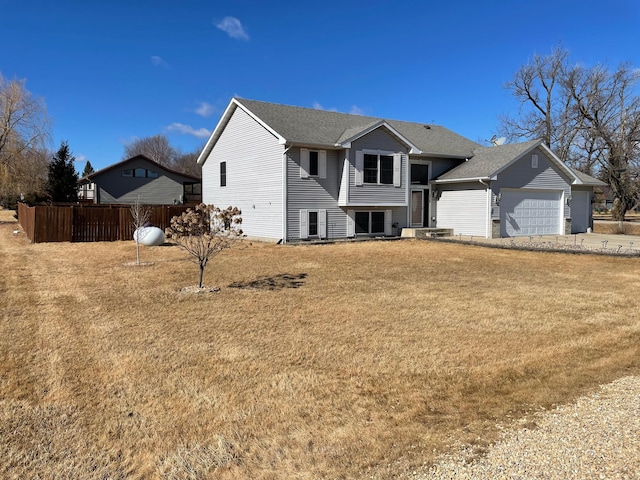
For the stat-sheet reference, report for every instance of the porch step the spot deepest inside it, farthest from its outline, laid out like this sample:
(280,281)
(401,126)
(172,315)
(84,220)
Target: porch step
(426,232)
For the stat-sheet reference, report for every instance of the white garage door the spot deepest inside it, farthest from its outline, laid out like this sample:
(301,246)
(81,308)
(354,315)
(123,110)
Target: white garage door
(526,212)
(464,211)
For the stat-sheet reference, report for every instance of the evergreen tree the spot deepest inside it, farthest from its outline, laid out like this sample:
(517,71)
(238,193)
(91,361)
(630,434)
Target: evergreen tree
(88,169)
(62,185)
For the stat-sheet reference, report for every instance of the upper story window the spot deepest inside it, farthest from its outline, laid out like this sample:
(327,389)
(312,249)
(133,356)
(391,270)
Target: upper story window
(140,173)
(313,163)
(419,174)
(534,161)
(378,168)
(223,174)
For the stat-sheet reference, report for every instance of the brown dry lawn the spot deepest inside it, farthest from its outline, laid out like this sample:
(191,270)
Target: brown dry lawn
(335,361)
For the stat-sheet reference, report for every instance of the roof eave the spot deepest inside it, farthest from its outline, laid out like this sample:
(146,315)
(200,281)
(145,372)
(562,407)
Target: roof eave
(224,120)
(413,149)
(462,180)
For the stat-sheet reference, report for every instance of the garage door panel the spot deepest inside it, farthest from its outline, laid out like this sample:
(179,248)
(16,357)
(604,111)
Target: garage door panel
(527,212)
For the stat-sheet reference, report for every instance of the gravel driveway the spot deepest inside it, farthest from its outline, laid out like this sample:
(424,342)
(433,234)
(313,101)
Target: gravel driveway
(598,437)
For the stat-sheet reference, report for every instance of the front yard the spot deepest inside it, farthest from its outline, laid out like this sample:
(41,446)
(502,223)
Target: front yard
(327,361)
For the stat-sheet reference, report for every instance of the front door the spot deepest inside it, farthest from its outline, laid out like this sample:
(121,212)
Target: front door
(417,208)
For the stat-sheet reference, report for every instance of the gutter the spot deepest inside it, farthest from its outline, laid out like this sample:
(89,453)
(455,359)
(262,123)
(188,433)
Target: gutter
(284,193)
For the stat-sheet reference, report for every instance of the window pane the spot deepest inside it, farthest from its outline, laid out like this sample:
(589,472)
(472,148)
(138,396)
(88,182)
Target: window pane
(377,222)
(313,223)
(386,169)
(370,168)
(362,222)
(127,173)
(420,174)
(313,163)
(223,174)
(152,174)
(140,172)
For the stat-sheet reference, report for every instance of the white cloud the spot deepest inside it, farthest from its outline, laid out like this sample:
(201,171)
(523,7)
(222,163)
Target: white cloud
(317,106)
(188,130)
(159,62)
(233,27)
(355,110)
(205,109)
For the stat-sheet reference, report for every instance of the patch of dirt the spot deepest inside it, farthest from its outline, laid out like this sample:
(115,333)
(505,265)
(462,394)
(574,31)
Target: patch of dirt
(275,282)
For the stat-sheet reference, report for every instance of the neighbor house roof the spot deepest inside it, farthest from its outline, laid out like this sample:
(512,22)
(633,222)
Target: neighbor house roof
(307,126)
(89,178)
(487,162)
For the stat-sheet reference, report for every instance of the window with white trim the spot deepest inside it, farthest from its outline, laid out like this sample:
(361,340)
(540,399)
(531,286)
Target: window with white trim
(369,222)
(378,169)
(313,223)
(313,163)
(375,167)
(534,161)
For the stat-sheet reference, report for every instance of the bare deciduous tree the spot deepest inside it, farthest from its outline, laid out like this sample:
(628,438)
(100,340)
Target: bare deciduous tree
(24,131)
(205,232)
(156,147)
(140,216)
(589,117)
(611,112)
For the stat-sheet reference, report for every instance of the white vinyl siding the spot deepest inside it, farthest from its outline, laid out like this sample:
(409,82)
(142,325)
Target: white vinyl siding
(254,174)
(315,194)
(528,212)
(465,211)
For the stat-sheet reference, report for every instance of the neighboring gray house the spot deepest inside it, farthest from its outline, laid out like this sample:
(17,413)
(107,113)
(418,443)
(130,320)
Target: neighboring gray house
(299,173)
(140,178)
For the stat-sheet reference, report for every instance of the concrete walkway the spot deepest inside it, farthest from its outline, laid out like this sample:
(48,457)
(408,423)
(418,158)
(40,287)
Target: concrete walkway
(611,243)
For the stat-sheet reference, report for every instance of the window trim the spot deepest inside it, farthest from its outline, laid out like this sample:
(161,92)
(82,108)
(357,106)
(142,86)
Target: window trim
(396,167)
(352,226)
(305,163)
(321,223)
(223,174)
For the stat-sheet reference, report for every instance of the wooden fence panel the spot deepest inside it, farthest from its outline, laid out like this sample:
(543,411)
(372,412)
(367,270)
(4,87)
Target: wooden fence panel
(53,224)
(27,219)
(88,223)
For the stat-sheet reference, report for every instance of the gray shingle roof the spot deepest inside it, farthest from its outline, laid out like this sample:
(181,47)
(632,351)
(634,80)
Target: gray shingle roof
(587,179)
(487,161)
(322,127)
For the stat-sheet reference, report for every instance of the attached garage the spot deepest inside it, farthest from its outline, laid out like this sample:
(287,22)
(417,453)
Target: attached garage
(464,211)
(530,212)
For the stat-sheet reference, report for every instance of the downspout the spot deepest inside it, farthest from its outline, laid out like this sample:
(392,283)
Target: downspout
(284,193)
(490,216)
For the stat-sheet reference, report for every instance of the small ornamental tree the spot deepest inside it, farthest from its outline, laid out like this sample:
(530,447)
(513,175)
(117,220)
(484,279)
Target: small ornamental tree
(206,231)
(140,216)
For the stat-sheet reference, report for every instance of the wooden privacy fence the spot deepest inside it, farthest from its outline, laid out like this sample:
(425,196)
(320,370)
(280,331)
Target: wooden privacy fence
(88,223)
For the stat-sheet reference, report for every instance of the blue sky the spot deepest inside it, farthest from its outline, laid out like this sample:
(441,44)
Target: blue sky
(111,72)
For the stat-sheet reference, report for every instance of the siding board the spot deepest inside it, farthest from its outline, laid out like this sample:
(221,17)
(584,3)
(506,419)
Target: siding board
(254,176)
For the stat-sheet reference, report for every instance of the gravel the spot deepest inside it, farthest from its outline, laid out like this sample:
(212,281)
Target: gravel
(598,437)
